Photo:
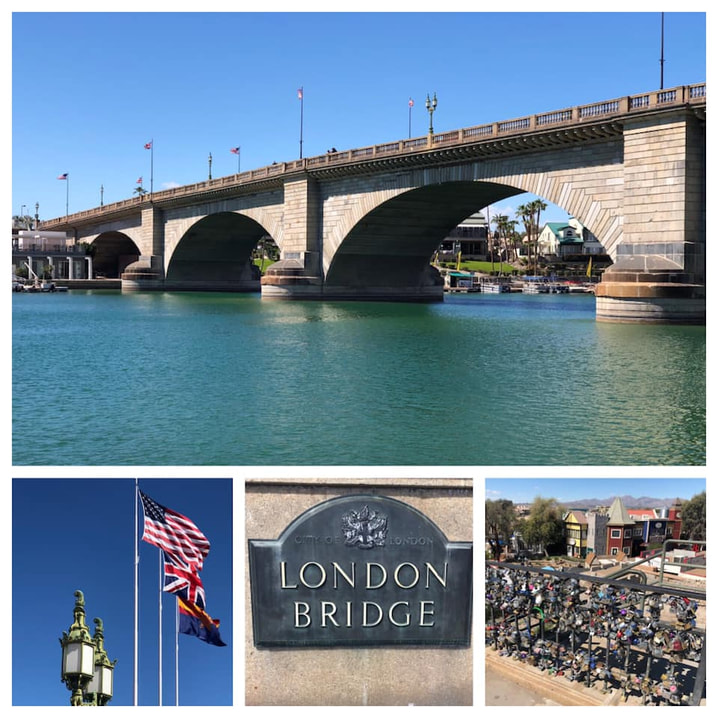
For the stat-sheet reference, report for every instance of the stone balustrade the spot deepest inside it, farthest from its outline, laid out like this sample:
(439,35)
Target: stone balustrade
(557,119)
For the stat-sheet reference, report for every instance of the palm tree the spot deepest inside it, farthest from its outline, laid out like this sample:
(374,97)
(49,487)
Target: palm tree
(524,212)
(530,214)
(141,191)
(506,229)
(538,205)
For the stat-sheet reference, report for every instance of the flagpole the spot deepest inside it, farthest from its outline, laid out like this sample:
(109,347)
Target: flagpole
(159,642)
(67,198)
(662,17)
(137,563)
(152,171)
(176,653)
(301,120)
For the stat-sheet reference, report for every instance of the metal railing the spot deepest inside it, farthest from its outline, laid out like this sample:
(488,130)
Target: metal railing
(608,109)
(615,635)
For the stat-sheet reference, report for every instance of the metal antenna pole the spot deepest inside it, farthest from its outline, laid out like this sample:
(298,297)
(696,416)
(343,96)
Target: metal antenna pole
(662,25)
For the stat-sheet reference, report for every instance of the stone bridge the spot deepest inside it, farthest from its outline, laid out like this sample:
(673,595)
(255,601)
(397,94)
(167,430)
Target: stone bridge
(364,223)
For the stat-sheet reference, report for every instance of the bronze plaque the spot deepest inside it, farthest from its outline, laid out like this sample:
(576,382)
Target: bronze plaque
(361,570)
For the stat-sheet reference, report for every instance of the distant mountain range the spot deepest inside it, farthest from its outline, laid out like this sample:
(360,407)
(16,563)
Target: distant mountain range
(630,502)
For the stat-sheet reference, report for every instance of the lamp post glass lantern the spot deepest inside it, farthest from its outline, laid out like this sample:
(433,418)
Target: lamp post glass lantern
(86,669)
(430,107)
(101,683)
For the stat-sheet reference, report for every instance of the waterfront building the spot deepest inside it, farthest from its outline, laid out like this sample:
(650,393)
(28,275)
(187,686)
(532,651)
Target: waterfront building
(620,529)
(559,240)
(470,238)
(576,528)
(617,531)
(49,254)
(655,526)
(596,536)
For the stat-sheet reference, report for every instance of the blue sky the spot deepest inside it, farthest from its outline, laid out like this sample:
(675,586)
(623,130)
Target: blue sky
(90,89)
(73,534)
(567,490)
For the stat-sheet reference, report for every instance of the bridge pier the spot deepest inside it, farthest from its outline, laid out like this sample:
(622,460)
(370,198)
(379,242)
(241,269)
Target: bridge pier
(658,275)
(649,299)
(287,279)
(144,275)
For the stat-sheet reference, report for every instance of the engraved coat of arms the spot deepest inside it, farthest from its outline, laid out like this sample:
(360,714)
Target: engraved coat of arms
(364,528)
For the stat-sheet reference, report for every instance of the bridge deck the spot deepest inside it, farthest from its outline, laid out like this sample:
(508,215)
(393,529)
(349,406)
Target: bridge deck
(596,117)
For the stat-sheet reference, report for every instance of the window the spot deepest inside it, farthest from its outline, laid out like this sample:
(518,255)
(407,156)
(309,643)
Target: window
(627,533)
(625,550)
(615,533)
(614,551)
(637,532)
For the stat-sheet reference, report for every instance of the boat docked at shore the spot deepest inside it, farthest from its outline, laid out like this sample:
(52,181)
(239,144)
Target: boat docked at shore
(495,285)
(544,287)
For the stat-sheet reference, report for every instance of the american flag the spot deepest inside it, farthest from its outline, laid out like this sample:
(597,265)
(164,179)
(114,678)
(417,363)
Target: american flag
(300,93)
(411,102)
(183,581)
(139,180)
(63,176)
(235,150)
(174,533)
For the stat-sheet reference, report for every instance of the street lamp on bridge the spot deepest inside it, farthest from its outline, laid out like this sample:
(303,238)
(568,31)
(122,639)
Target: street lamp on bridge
(430,107)
(86,669)
(209,159)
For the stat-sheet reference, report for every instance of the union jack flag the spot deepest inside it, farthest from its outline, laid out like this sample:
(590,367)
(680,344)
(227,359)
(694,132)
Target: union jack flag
(184,582)
(175,534)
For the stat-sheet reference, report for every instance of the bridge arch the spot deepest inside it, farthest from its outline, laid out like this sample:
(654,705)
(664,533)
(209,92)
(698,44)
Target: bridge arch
(594,198)
(214,253)
(391,244)
(111,252)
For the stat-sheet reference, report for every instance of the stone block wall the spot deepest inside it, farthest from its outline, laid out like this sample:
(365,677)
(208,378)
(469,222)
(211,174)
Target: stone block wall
(663,193)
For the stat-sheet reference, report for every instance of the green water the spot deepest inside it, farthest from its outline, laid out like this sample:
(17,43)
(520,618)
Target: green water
(102,378)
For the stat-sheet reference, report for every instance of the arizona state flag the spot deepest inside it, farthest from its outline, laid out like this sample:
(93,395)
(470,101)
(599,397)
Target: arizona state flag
(195,622)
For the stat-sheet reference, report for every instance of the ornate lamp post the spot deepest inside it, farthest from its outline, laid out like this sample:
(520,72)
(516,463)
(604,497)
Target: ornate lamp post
(209,159)
(430,107)
(86,670)
(37,214)
(101,683)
